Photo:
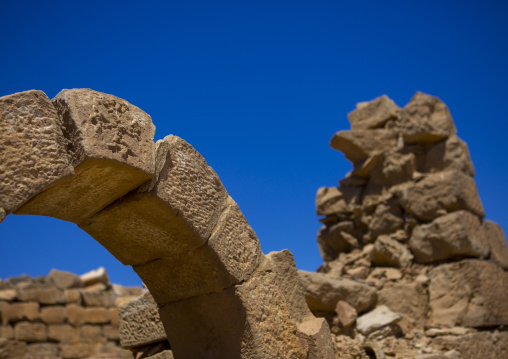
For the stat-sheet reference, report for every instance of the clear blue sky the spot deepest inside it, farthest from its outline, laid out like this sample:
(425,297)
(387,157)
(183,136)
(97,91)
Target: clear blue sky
(258,88)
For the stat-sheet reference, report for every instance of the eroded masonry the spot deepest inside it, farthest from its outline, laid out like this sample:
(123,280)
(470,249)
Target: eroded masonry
(89,158)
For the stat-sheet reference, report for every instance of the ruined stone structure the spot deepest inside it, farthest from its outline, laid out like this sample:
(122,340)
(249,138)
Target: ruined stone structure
(62,316)
(410,261)
(89,158)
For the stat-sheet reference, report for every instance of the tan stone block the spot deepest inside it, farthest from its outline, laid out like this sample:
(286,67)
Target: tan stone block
(110,145)
(12,349)
(439,193)
(32,148)
(112,333)
(114,317)
(497,242)
(76,350)
(77,315)
(408,299)
(63,333)
(53,315)
(317,335)
(450,154)
(358,145)
(390,252)
(42,293)
(96,279)
(112,350)
(8,294)
(6,331)
(14,312)
(336,200)
(30,332)
(98,299)
(140,323)
(373,114)
(43,350)
(64,280)
(72,296)
(175,213)
(91,333)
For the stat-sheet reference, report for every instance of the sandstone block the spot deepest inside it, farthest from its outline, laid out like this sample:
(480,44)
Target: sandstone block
(53,315)
(32,148)
(346,314)
(110,146)
(6,331)
(497,243)
(450,154)
(408,299)
(91,333)
(63,333)
(378,318)
(456,234)
(317,335)
(42,293)
(336,238)
(333,200)
(482,345)
(96,276)
(78,315)
(8,294)
(111,350)
(15,312)
(30,332)
(323,292)
(358,145)
(389,252)
(43,350)
(387,218)
(12,349)
(72,296)
(76,350)
(426,119)
(470,293)
(176,212)
(439,193)
(373,114)
(98,299)
(140,323)
(64,280)
(111,332)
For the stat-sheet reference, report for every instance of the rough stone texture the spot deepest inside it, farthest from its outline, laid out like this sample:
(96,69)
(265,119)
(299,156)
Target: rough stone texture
(98,298)
(439,193)
(334,200)
(389,252)
(64,280)
(323,292)
(42,293)
(456,234)
(19,311)
(43,350)
(376,319)
(32,148)
(470,293)
(336,238)
(497,242)
(78,315)
(319,340)
(346,314)
(373,114)
(483,345)
(140,323)
(95,276)
(30,332)
(359,145)
(110,145)
(63,333)
(53,315)
(450,154)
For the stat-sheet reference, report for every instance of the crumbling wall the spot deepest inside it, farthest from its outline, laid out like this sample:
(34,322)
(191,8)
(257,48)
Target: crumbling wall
(62,316)
(407,251)
(89,158)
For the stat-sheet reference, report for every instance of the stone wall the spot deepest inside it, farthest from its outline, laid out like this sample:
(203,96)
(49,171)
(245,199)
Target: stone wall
(410,261)
(62,316)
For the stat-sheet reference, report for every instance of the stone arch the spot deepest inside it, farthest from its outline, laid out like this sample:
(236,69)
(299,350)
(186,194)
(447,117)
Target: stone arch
(89,158)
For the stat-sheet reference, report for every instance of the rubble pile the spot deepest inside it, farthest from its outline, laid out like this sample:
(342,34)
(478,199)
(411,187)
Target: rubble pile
(62,316)
(410,262)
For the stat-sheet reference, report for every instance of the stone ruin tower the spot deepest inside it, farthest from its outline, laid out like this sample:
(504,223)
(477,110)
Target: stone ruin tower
(407,223)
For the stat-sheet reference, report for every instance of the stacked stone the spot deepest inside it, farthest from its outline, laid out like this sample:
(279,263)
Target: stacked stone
(62,316)
(406,226)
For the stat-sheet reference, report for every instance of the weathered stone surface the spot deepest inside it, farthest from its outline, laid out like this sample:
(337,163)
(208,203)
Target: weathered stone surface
(470,293)
(95,276)
(425,119)
(92,333)
(387,218)
(11,349)
(373,114)
(43,350)
(346,314)
(408,299)
(76,350)
(389,252)
(376,319)
(8,294)
(53,315)
(323,292)
(64,280)
(19,311)
(72,296)
(7,332)
(177,213)
(336,238)
(450,154)
(112,333)
(30,332)
(439,193)
(317,334)
(32,148)
(333,200)
(42,293)
(63,333)
(110,145)
(140,323)
(497,242)
(98,298)
(78,315)
(482,345)
(359,145)
(3,214)
(456,234)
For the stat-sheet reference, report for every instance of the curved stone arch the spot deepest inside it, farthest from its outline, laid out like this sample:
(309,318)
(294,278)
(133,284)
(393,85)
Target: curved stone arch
(89,158)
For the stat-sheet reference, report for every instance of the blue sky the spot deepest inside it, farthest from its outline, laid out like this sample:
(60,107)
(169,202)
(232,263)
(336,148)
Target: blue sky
(258,88)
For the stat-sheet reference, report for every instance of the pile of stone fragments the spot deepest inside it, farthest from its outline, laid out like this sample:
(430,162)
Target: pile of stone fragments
(412,269)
